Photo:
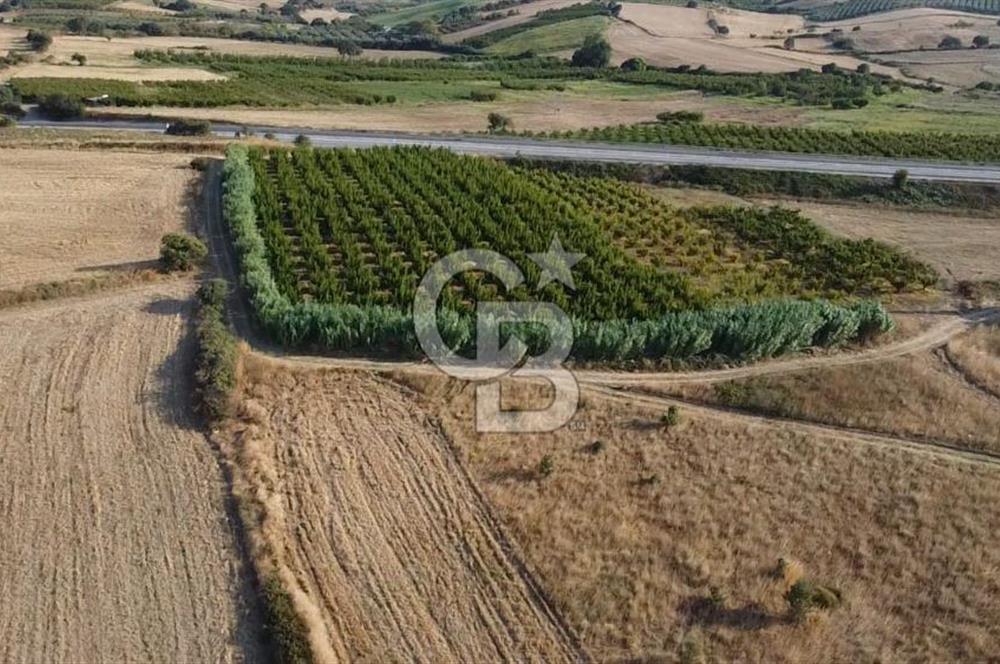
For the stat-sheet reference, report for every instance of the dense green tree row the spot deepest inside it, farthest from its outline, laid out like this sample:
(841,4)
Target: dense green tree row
(956,147)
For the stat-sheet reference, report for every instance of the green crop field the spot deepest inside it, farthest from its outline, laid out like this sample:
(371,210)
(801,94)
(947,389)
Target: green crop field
(334,243)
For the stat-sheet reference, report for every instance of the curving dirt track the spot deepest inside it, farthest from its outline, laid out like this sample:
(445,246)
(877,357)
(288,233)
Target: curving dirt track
(117,546)
(392,552)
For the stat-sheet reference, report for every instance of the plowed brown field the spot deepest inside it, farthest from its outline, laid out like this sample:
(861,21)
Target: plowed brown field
(368,511)
(116,546)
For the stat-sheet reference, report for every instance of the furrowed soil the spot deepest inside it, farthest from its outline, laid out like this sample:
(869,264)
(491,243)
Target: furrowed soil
(117,544)
(637,523)
(69,214)
(388,546)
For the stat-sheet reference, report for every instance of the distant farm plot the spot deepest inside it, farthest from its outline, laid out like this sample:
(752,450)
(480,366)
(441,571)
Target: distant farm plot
(70,214)
(966,68)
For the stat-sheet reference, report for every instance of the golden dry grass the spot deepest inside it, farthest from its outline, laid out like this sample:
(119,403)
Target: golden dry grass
(977,354)
(914,29)
(70,214)
(327,14)
(65,70)
(917,396)
(630,540)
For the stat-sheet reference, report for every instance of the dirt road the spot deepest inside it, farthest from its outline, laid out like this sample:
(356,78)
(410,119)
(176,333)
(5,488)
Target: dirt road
(396,555)
(116,546)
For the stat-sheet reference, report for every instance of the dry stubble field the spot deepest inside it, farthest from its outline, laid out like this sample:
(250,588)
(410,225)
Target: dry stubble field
(117,544)
(71,214)
(372,523)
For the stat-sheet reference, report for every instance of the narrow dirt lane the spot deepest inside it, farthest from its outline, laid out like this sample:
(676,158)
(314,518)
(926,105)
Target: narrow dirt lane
(116,546)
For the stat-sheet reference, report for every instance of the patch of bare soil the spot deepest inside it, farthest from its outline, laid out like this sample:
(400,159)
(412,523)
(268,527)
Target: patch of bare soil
(637,523)
(389,549)
(959,247)
(71,214)
(116,543)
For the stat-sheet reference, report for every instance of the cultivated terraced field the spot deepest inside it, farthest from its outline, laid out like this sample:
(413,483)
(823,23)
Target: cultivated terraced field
(118,545)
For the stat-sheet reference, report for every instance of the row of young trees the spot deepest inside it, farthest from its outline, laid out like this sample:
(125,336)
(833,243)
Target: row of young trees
(364,186)
(854,8)
(937,145)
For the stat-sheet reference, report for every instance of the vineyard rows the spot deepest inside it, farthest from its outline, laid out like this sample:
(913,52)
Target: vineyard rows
(854,8)
(955,147)
(333,244)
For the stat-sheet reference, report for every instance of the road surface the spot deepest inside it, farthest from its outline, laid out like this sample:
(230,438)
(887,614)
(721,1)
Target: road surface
(658,155)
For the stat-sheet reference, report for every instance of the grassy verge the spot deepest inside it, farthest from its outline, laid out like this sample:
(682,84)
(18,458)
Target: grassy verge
(74,287)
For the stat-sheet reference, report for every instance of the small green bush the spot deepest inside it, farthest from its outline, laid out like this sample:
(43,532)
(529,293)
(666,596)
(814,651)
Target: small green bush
(189,128)
(672,417)
(180,252)
(546,466)
(804,596)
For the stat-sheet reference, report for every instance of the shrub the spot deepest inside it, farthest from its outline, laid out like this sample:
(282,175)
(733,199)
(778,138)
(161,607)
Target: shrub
(284,627)
(302,141)
(789,43)
(804,596)
(680,116)
(79,58)
(60,107)
(634,64)
(864,68)
(483,95)
(981,41)
(842,104)
(671,418)
(545,467)
(349,49)
(498,123)
(39,41)
(596,447)
(950,42)
(595,52)
(180,252)
(189,128)
(7,122)
(12,110)
(215,371)
(900,178)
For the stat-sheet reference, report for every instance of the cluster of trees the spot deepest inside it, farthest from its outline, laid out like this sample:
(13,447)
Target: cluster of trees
(739,333)
(543,18)
(956,147)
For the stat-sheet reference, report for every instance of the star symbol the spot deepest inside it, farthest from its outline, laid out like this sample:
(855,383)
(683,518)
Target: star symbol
(556,264)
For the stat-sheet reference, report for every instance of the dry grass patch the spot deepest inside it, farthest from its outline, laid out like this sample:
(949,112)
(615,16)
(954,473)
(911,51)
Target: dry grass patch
(977,355)
(74,214)
(65,70)
(917,397)
(913,29)
(632,534)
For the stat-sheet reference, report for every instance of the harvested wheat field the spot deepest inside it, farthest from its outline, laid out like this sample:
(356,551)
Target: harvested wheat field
(964,67)
(959,247)
(636,524)
(46,70)
(117,544)
(913,29)
(70,214)
(141,7)
(391,551)
(328,14)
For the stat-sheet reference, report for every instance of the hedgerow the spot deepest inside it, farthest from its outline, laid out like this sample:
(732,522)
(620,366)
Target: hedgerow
(215,373)
(306,298)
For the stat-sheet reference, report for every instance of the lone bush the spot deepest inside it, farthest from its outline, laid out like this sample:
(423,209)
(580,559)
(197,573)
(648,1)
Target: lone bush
(498,123)
(672,417)
(804,596)
(545,466)
(302,141)
(38,40)
(180,252)
(595,52)
(900,178)
(189,128)
(60,107)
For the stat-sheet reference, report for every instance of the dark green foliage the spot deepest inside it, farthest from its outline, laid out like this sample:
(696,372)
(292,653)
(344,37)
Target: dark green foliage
(950,42)
(483,95)
(680,116)
(595,52)
(900,178)
(12,110)
(39,40)
(60,107)
(671,418)
(390,212)
(956,147)
(284,627)
(545,467)
(634,64)
(981,41)
(180,252)
(215,371)
(498,123)
(805,595)
(790,183)
(189,128)
(7,122)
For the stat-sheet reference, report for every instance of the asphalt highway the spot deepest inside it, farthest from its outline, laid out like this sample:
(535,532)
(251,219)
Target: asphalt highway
(664,155)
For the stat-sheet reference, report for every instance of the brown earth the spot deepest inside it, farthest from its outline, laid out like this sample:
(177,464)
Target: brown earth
(959,247)
(374,527)
(631,537)
(914,29)
(117,546)
(977,355)
(70,214)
